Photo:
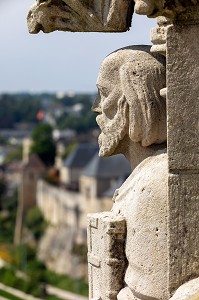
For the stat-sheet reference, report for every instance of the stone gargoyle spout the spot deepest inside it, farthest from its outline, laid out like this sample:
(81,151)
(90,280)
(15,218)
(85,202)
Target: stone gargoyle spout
(80,15)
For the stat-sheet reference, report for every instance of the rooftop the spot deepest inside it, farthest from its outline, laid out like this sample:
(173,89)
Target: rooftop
(105,167)
(80,157)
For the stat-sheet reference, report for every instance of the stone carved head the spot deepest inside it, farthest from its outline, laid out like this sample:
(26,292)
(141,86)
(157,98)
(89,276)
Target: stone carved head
(80,15)
(129,101)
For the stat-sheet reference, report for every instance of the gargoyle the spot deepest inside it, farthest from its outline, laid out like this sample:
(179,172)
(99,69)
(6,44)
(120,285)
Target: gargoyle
(80,15)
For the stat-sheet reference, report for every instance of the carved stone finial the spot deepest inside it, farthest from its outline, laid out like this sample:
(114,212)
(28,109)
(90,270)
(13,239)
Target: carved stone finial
(167,8)
(80,15)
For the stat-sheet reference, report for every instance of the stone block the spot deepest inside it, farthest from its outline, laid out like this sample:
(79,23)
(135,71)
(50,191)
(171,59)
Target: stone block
(183,229)
(106,256)
(183,96)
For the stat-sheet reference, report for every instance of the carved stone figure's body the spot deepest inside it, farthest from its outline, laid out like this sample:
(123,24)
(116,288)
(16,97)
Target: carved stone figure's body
(142,200)
(132,118)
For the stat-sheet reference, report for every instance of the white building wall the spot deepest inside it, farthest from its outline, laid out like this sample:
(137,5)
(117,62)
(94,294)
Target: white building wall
(57,205)
(60,206)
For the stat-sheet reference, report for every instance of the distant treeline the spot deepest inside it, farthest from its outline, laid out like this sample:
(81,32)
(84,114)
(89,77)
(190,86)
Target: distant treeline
(16,109)
(23,108)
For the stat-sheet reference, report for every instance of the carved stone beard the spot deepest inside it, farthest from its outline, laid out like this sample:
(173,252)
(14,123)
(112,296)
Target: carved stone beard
(113,130)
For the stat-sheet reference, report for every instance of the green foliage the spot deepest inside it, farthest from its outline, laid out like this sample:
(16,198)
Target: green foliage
(69,149)
(2,189)
(10,203)
(17,108)
(85,99)
(43,143)
(66,283)
(36,276)
(14,154)
(52,297)
(8,277)
(79,124)
(7,221)
(9,296)
(35,222)
(2,140)
(29,286)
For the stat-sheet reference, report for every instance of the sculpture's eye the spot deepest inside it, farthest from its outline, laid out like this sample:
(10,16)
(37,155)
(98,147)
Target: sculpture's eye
(103,91)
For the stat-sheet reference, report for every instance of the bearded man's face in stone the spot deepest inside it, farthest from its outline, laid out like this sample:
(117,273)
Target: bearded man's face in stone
(110,107)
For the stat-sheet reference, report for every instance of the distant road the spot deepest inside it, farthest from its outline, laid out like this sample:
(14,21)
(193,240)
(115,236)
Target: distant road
(65,295)
(16,293)
(2,298)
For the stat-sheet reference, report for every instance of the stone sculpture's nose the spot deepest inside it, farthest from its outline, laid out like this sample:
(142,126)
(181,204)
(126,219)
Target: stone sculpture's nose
(96,107)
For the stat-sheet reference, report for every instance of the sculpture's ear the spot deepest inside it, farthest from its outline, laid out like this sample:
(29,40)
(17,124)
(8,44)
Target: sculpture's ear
(131,90)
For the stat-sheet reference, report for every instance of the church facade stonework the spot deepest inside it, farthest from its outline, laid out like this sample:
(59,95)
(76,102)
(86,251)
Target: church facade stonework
(147,246)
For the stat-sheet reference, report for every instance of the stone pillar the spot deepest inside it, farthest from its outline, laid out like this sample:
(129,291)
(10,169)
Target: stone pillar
(183,147)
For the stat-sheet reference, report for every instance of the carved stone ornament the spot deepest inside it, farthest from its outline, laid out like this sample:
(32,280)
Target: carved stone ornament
(80,15)
(167,8)
(132,118)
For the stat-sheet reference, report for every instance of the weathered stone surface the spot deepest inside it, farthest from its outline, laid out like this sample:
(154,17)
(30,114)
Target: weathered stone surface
(188,291)
(129,101)
(142,200)
(183,228)
(159,36)
(132,118)
(56,249)
(80,15)
(183,97)
(158,39)
(106,259)
(168,8)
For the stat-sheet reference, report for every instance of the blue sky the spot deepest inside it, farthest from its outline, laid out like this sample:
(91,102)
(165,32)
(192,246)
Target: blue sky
(59,61)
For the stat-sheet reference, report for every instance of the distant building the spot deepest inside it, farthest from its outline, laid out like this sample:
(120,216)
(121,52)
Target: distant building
(75,163)
(15,136)
(26,144)
(101,174)
(31,171)
(88,184)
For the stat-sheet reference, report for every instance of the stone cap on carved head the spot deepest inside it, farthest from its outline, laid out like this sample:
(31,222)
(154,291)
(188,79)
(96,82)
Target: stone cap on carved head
(80,15)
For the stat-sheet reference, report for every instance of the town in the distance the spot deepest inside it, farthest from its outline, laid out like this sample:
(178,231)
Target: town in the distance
(51,177)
